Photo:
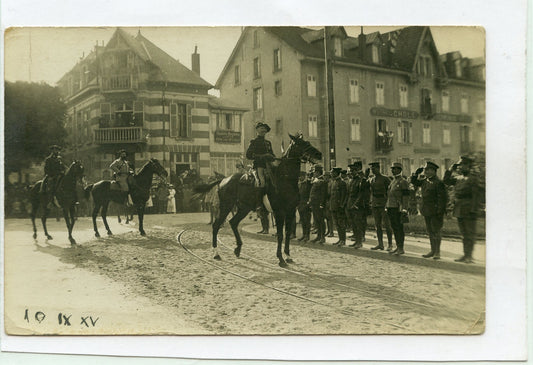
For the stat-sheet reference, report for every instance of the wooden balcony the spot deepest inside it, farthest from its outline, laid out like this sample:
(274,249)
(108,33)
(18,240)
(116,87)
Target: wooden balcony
(119,82)
(119,135)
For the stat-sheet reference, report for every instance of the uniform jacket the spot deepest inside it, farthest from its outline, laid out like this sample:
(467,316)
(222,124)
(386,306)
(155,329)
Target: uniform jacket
(53,166)
(337,194)
(379,185)
(434,196)
(304,189)
(122,169)
(359,193)
(466,194)
(319,192)
(259,146)
(398,193)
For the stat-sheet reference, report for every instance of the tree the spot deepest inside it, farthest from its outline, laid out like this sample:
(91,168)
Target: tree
(34,120)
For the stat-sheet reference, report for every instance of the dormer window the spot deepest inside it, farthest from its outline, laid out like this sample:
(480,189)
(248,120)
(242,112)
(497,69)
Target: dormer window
(337,44)
(458,69)
(375,54)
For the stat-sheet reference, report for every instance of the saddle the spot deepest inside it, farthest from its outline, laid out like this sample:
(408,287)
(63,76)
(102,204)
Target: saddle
(249,178)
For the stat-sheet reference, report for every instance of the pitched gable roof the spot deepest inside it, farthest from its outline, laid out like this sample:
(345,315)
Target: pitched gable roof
(407,47)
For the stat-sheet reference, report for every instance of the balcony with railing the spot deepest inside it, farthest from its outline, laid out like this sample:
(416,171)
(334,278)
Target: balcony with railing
(119,82)
(384,141)
(119,135)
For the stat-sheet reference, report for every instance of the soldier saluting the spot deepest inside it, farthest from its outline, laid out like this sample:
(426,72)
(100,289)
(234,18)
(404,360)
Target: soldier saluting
(260,151)
(434,200)
(54,169)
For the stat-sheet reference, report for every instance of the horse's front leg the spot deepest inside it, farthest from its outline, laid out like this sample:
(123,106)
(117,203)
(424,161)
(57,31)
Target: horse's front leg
(234,223)
(33,214)
(104,218)
(140,213)
(289,219)
(279,229)
(72,212)
(43,220)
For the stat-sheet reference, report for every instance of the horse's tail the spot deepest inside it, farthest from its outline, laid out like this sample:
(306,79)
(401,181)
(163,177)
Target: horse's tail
(87,191)
(204,188)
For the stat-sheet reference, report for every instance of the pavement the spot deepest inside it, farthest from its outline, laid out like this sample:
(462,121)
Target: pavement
(415,246)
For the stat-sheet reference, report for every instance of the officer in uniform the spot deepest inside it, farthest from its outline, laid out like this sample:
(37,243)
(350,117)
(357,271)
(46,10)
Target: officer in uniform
(397,203)
(317,202)
(327,211)
(260,151)
(122,170)
(54,169)
(357,202)
(433,208)
(304,188)
(379,185)
(467,194)
(337,204)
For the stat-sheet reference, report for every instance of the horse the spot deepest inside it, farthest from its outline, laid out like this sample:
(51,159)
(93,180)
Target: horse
(139,188)
(282,192)
(66,197)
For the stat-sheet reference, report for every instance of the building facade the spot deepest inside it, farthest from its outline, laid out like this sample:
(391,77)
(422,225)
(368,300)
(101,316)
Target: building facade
(386,97)
(130,94)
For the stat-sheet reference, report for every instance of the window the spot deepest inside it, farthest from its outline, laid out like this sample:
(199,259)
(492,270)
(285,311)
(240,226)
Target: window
(445,101)
(464,103)
(311,85)
(256,39)
(138,113)
(354,91)
(382,125)
(446,134)
(426,133)
(237,75)
(380,93)
(458,69)
(277,87)
(355,130)
(337,43)
(257,68)
(237,120)
(426,107)
(180,120)
(405,134)
(277,59)
(406,165)
(258,98)
(105,115)
(403,96)
(279,127)
(313,126)
(375,54)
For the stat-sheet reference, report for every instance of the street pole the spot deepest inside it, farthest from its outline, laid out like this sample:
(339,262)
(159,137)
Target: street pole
(330,110)
(163,101)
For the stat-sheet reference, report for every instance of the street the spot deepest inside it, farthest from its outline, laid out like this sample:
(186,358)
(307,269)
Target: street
(168,283)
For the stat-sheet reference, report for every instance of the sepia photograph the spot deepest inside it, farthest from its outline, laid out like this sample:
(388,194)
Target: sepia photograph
(217,184)
(269,180)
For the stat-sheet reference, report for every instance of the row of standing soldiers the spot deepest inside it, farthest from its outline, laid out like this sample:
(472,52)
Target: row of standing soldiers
(350,196)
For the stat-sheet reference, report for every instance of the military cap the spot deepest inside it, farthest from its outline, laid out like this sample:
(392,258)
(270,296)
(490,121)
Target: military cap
(336,170)
(431,165)
(374,164)
(344,172)
(120,151)
(318,167)
(465,160)
(55,147)
(356,165)
(397,165)
(261,124)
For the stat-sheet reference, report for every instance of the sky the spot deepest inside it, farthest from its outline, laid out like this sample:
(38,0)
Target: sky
(39,54)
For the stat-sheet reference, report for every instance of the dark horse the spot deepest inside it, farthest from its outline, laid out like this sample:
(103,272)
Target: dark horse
(139,186)
(282,192)
(66,198)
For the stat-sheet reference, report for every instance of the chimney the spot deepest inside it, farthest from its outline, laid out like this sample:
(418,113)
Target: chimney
(362,45)
(195,61)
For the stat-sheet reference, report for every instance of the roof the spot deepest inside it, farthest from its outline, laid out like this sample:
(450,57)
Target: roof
(221,103)
(406,49)
(293,36)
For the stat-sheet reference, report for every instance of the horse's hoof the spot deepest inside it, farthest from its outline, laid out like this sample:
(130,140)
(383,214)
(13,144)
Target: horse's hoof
(97,235)
(217,257)
(237,251)
(48,237)
(119,220)
(289,261)
(35,235)
(143,233)
(282,263)
(109,233)
(72,241)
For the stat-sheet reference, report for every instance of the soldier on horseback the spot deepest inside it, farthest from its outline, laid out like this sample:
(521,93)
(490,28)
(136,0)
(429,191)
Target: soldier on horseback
(121,168)
(260,151)
(54,169)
